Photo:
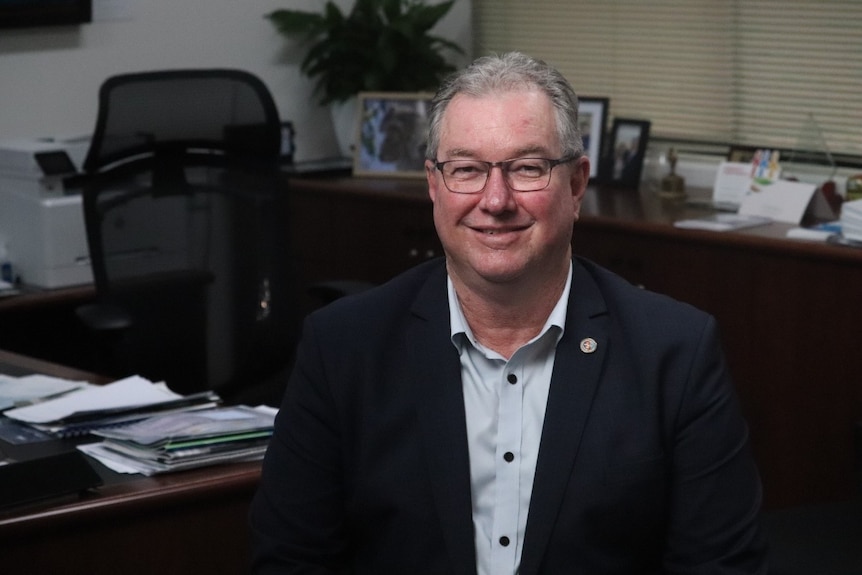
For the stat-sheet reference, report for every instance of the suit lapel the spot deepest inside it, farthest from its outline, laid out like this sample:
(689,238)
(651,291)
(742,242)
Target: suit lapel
(573,385)
(441,417)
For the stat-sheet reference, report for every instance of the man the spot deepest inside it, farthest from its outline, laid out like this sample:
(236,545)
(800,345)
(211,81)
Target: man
(512,409)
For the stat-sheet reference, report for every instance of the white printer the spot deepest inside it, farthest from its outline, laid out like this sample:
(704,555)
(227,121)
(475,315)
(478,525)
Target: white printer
(42,222)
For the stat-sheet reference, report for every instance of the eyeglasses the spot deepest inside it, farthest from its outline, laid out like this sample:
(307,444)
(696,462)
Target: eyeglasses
(520,174)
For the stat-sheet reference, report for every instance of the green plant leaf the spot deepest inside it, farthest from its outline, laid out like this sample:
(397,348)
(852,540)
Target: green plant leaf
(295,22)
(380,45)
(424,16)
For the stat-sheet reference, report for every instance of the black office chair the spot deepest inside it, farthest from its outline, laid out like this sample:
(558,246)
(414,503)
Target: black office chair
(184,216)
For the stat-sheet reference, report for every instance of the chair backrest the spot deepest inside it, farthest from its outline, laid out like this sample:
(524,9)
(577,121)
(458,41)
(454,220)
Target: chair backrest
(212,110)
(181,202)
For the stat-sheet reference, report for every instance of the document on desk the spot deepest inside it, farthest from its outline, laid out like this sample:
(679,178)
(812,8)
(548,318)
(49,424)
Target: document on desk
(172,442)
(721,222)
(118,403)
(132,391)
(732,182)
(121,463)
(29,389)
(175,431)
(785,201)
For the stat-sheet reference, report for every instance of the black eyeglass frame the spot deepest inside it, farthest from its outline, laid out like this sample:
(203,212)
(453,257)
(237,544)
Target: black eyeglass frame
(552,163)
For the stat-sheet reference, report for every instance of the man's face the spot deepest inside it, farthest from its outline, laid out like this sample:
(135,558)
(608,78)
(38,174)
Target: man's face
(500,235)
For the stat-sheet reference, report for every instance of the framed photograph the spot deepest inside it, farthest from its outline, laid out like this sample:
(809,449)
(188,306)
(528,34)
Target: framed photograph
(593,120)
(625,156)
(390,134)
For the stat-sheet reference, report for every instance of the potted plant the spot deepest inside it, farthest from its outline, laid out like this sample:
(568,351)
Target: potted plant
(379,46)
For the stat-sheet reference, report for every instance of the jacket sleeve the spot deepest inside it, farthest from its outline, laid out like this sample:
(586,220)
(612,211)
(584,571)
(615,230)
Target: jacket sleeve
(715,492)
(297,515)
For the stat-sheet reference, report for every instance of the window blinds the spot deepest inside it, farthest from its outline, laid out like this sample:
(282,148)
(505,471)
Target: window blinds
(777,73)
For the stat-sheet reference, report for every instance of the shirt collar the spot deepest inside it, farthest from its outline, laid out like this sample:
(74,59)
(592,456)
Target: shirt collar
(460,331)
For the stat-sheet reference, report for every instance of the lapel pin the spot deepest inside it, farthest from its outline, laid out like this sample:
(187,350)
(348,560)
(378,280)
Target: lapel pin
(588,345)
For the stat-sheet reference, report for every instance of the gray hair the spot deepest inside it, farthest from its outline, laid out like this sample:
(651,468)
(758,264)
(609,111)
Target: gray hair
(509,72)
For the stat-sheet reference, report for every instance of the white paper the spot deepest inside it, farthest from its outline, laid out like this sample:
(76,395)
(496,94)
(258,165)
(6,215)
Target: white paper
(115,463)
(809,234)
(851,220)
(129,392)
(31,388)
(160,429)
(125,464)
(782,201)
(721,222)
(732,182)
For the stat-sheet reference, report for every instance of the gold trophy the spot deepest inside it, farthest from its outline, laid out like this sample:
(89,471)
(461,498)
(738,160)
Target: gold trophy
(672,185)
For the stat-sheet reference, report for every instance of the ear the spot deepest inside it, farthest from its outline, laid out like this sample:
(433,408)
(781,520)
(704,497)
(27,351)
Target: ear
(580,177)
(433,178)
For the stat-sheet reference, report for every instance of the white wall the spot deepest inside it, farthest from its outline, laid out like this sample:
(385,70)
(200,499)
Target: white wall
(49,77)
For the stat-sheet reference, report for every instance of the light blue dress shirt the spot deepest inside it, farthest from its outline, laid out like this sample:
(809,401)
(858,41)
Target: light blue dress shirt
(505,407)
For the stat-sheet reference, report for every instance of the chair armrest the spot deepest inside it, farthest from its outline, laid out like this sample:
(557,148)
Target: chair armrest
(103,317)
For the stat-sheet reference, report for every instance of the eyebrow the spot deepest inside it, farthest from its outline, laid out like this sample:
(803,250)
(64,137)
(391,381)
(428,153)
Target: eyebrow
(462,153)
(527,152)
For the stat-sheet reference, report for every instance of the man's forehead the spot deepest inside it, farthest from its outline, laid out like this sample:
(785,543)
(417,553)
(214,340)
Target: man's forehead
(522,120)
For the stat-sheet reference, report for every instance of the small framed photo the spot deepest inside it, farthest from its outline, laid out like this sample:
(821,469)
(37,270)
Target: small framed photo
(593,122)
(390,134)
(625,156)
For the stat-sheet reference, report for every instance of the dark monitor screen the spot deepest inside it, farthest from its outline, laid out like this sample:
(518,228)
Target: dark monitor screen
(34,13)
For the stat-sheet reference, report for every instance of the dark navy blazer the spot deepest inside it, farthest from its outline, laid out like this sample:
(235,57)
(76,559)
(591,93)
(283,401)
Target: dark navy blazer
(644,464)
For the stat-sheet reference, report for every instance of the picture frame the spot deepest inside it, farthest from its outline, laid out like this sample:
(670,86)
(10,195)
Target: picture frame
(624,159)
(593,122)
(390,135)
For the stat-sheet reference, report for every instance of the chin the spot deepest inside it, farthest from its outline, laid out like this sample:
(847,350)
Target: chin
(503,271)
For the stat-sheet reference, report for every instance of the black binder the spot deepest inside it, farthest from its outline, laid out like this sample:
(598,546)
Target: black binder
(46,477)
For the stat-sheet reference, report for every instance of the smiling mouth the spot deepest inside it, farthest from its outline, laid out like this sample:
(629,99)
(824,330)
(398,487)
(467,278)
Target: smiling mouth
(495,232)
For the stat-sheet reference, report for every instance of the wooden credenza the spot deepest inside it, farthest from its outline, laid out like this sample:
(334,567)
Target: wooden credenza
(367,229)
(789,311)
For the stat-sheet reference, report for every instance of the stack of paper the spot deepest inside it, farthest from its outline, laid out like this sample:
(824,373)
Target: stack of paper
(176,441)
(851,220)
(98,406)
(721,222)
(30,389)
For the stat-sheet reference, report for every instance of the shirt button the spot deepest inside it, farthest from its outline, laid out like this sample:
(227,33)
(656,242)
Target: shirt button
(504,541)
(512,378)
(509,456)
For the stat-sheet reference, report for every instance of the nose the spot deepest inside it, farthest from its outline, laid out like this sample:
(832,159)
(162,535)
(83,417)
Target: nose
(497,196)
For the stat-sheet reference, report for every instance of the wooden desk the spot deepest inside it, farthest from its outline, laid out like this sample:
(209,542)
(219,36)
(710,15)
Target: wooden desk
(38,298)
(789,310)
(42,323)
(187,522)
